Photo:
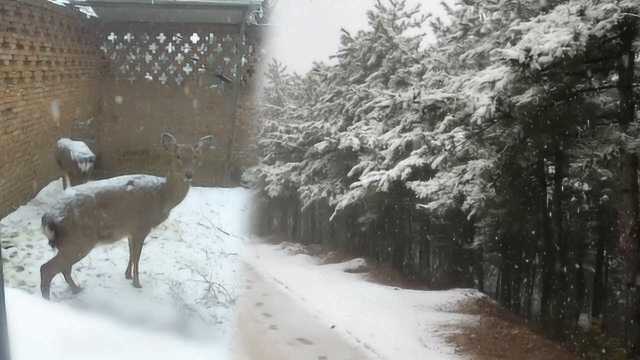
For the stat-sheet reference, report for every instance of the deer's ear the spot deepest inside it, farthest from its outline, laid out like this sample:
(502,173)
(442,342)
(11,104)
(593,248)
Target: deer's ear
(205,143)
(168,141)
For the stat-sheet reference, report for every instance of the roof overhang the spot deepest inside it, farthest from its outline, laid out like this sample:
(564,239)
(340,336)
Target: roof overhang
(213,11)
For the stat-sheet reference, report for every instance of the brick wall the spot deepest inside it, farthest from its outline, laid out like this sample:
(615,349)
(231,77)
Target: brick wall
(49,75)
(56,79)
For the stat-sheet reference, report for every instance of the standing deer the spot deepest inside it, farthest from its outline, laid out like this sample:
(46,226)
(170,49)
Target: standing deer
(76,161)
(108,210)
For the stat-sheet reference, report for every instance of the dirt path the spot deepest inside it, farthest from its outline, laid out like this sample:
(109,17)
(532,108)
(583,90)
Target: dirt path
(272,326)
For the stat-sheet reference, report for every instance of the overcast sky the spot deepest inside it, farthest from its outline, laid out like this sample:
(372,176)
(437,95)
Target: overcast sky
(309,30)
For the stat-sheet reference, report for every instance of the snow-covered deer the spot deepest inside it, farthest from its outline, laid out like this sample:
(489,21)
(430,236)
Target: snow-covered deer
(109,210)
(76,161)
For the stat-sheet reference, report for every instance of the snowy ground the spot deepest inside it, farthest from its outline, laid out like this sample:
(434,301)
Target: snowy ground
(41,330)
(194,268)
(384,322)
(188,270)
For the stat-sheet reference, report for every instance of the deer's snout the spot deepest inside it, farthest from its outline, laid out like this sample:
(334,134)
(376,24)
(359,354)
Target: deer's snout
(188,174)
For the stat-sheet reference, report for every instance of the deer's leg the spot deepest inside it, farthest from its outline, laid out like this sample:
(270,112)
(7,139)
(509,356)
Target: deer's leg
(47,271)
(72,284)
(138,241)
(65,181)
(74,180)
(127,273)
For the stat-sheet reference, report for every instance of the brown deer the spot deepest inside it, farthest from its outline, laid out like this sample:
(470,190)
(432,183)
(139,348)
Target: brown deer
(106,211)
(76,161)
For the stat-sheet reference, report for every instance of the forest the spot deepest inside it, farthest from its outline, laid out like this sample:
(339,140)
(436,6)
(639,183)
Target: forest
(494,148)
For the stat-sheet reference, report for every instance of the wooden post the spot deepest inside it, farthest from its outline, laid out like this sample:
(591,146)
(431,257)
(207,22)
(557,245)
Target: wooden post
(242,50)
(4,336)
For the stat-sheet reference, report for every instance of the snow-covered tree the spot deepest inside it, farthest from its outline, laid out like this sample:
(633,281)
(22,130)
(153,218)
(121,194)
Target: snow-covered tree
(477,160)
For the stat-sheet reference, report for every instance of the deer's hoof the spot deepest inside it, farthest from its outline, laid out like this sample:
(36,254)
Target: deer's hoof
(137,285)
(76,290)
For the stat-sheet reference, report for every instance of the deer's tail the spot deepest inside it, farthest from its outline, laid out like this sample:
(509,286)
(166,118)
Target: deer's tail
(50,230)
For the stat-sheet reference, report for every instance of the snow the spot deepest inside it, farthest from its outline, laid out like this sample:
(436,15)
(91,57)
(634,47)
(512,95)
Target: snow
(92,189)
(41,330)
(189,272)
(78,149)
(79,153)
(561,34)
(193,269)
(386,322)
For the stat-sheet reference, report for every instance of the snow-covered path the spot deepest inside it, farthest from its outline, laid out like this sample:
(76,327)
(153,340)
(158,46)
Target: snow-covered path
(383,322)
(271,325)
(194,269)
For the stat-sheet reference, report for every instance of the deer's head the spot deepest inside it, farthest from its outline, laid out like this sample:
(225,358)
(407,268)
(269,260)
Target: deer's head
(186,157)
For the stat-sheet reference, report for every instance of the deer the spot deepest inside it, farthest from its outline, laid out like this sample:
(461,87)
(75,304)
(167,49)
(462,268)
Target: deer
(109,210)
(75,160)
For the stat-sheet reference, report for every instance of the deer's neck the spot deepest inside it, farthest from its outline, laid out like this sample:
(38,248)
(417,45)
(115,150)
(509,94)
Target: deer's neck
(176,189)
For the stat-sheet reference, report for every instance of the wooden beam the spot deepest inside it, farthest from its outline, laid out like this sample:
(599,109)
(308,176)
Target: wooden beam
(164,4)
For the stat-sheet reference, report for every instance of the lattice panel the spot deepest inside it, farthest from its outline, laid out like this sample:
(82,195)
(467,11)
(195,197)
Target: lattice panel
(171,58)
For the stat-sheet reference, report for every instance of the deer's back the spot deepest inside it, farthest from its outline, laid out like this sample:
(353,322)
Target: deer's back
(111,209)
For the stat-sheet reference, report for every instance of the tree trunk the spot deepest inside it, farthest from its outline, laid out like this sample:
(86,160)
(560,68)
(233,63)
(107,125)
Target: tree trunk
(560,242)
(628,242)
(580,282)
(548,250)
(479,267)
(599,284)
(425,253)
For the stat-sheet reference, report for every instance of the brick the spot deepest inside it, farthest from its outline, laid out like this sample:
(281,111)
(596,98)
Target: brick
(45,54)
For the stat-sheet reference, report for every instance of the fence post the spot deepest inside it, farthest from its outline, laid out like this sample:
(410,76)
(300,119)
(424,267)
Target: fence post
(4,336)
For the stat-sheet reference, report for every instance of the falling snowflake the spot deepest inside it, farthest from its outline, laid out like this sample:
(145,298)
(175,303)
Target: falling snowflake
(163,78)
